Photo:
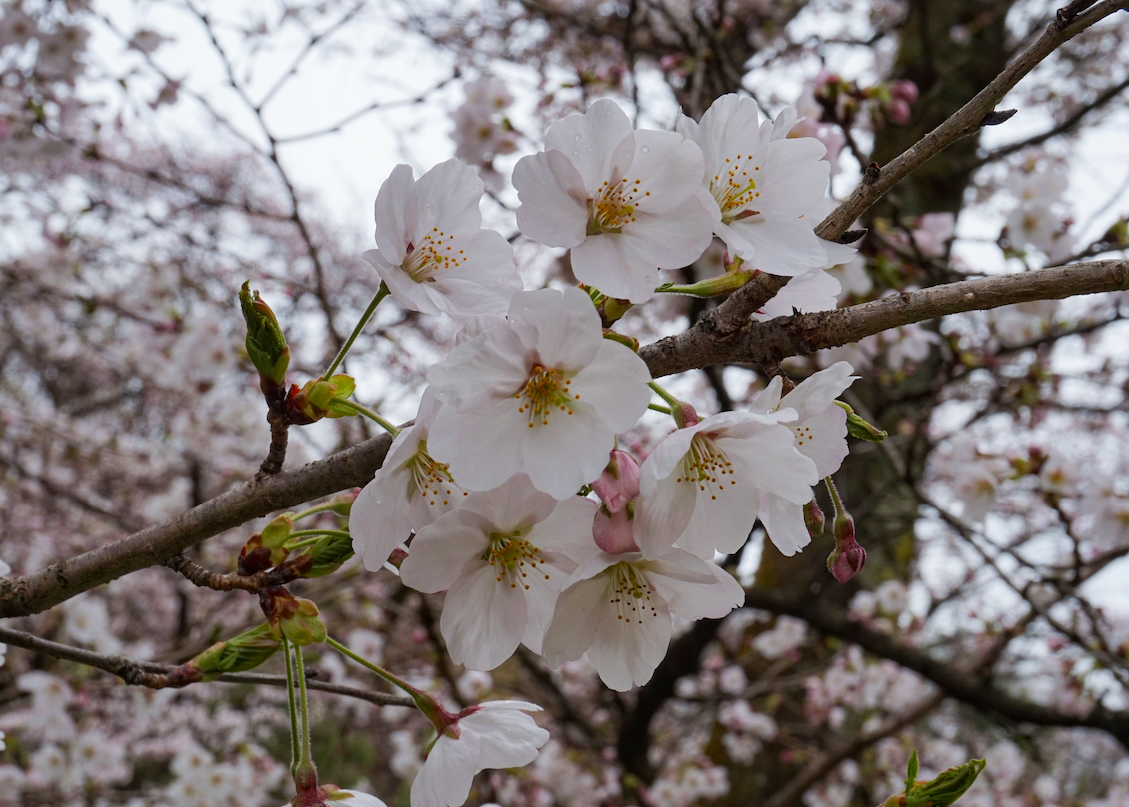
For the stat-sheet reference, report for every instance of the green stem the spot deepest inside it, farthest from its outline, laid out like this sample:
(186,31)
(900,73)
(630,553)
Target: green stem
(380,671)
(304,533)
(656,408)
(381,293)
(666,396)
(317,508)
(839,509)
(301,673)
(363,410)
(294,739)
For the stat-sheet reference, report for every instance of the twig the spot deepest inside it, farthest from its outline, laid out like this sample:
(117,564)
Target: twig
(149,674)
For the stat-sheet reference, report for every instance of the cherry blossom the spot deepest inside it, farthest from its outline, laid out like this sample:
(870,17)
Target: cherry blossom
(431,251)
(624,202)
(544,393)
(702,485)
(502,557)
(495,734)
(618,609)
(410,491)
(820,433)
(765,191)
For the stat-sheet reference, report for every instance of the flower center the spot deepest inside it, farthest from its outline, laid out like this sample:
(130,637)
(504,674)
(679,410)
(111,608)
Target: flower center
(545,391)
(614,206)
(631,593)
(432,256)
(735,189)
(509,554)
(432,479)
(706,465)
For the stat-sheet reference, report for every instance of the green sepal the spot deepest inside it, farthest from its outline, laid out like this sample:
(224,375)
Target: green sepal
(278,531)
(860,429)
(266,344)
(911,772)
(239,653)
(949,786)
(329,553)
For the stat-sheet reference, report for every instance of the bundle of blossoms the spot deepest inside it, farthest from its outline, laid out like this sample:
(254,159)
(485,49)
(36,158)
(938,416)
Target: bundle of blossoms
(509,490)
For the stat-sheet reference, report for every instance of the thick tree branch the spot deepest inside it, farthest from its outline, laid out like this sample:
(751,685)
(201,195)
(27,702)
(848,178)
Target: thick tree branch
(801,334)
(967,687)
(143,673)
(153,546)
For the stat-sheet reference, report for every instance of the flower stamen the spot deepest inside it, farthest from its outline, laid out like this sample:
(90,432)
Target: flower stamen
(543,392)
(509,553)
(706,465)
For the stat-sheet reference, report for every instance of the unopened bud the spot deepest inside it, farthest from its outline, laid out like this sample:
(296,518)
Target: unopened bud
(266,344)
(848,558)
(684,415)
(859,428)
(615,532)
(619,482)
(239,653)
(814,519)
(327,555)
(256,556)
(314,400)
(949,786)
(295,618)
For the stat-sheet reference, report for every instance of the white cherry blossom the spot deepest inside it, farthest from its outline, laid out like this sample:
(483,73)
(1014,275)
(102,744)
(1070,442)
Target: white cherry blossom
(624,201)
(618,609)
(502,557)
(431,251)
(544,393)
(765,191)
(703,484)
(820,433)
(408,493)
(495,734)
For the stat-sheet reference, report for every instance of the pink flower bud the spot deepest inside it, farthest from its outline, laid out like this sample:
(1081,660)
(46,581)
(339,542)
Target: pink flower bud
(848,557)
(814,519)
(619,482)
(615,532)
(898,111)
(685,415)
(905,90)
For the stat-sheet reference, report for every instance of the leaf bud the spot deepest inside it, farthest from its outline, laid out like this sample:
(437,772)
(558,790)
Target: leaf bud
(949,786)
(266,344)
(859,428)
(239,653)
(296,618)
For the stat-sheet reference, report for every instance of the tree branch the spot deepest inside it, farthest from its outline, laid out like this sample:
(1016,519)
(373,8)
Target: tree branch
(801,334)
(735,311)
(153,546)
(144,673)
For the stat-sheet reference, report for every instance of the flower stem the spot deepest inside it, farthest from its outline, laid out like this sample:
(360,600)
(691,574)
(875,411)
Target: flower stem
(371,415)
(380,671)
(294,738)
(317,508)
(666,396)
(381,293)
(834,496)
(305,533)
(657,408)
(301,674)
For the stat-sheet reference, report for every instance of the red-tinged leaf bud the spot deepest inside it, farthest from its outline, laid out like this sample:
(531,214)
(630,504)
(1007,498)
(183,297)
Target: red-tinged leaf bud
(277,532)
(293,617)
(619,482)
(254,557)
(814,519)
(266,344)
(315,400)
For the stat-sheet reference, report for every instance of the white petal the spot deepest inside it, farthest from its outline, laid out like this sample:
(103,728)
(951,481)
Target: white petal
(449,196)
(579,611)
(823,439)
(569,452)
(668,167)
(508,737)
(447,773)
(600,143)
(784,522)
(624,268)
(483,618)
(397,204)
(626,654)
(513,504)
(615,383)
(439,553)
(482,448)
(380,519)
(694,599)
(480,372)
(563,329)
(552,193)
(816,392)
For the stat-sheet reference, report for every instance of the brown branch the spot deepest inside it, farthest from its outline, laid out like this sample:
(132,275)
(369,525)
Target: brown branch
(766,342)
(279,435)
(154,546)
(231,581)
(735,311)
(967,687)
(150,674)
